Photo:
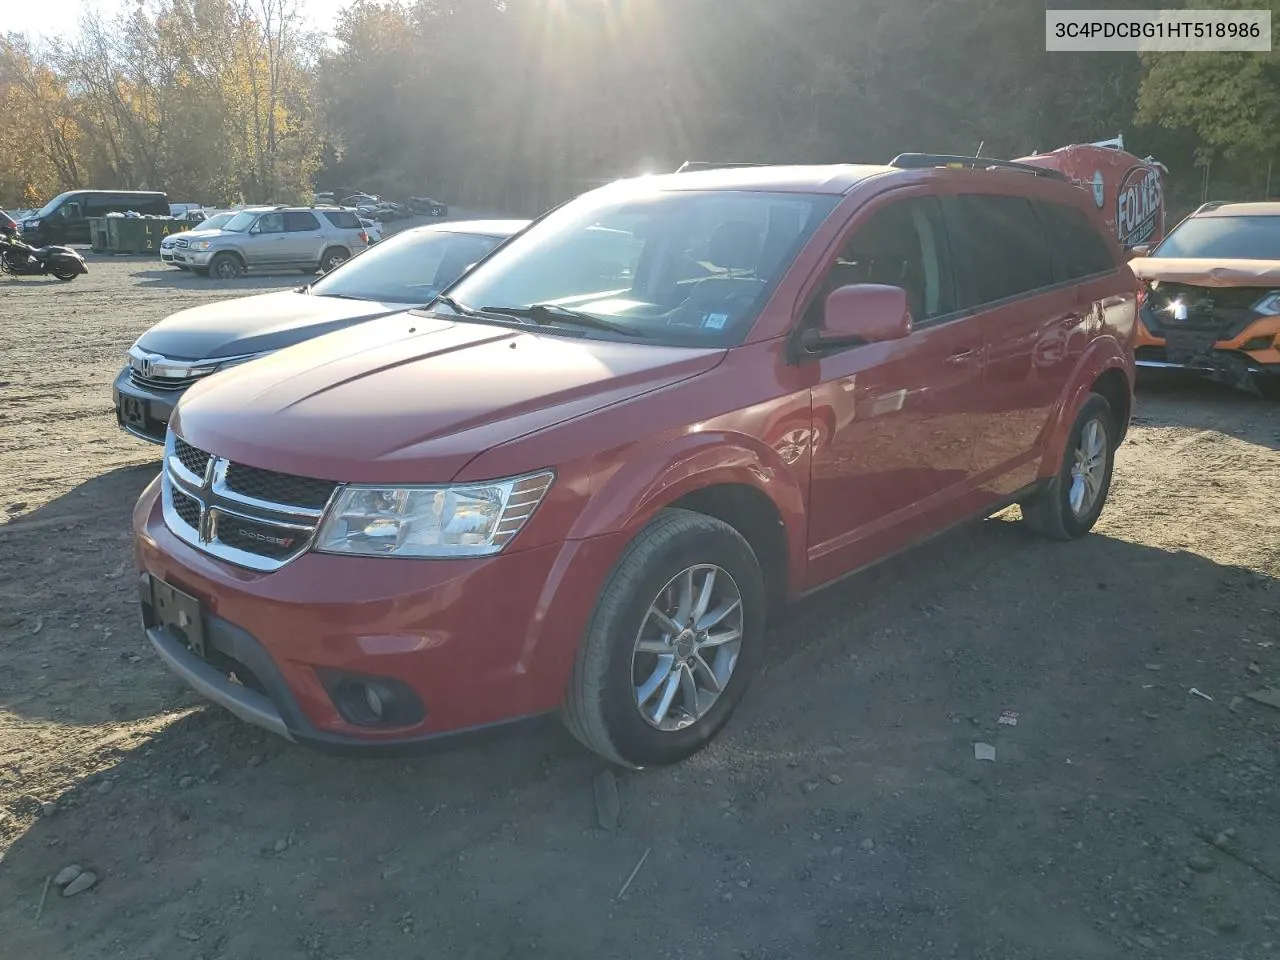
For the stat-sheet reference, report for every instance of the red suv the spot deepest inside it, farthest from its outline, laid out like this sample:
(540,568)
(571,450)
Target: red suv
(582,478)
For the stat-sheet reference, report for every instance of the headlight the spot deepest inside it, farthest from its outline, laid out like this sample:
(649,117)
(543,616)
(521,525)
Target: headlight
(200,245)
(1269,305)
(466,520)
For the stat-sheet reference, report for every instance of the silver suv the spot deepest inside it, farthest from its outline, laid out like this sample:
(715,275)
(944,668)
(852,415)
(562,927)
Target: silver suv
(310,239)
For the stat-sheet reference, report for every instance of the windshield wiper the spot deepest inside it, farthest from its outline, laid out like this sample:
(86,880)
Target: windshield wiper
(544,314)
(484,313)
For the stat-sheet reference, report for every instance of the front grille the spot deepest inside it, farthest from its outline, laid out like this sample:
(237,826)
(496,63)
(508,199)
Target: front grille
(197,461)
(279,487)
(187,508)
(257,518)
(160,383)
(262,539)
(1223,311)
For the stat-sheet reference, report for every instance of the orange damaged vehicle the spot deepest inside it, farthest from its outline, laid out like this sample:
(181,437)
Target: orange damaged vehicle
(581,478)
(1210,300)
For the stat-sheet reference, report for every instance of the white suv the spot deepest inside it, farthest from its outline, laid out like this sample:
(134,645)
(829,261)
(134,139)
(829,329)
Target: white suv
(310,239)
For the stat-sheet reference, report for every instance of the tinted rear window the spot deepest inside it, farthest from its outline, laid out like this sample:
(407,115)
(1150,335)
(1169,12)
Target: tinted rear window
(343,219)
(1079,250)
(1004,244)
(1224,238)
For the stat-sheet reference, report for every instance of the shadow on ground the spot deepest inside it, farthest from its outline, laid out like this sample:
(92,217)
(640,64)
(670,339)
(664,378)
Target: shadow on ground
(842,812)
(173,278)
(68,608)
(1171,399)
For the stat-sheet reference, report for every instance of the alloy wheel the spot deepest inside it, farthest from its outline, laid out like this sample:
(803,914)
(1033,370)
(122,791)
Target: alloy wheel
(687,647)
(1088,467)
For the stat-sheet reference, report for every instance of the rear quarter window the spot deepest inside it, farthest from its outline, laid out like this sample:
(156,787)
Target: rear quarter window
(1004,249)
(343,219)
(1079,250)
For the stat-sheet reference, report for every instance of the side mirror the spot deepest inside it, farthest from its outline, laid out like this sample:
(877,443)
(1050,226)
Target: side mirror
(859,314)
(1139,250)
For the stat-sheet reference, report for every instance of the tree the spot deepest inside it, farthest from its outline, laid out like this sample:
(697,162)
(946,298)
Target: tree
(1231,101)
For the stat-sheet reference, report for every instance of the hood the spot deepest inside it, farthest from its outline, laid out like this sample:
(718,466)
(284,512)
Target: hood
(192,231)
(413,398)
(243,325)
(1208,273)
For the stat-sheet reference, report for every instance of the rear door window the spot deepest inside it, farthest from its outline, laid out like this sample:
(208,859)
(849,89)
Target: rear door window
(300,222)
(1078,249)
(1004,247)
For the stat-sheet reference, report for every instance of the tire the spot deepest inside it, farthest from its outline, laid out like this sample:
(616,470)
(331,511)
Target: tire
(1268,386)
(66,277)
(226,266)
(333,258)
(1051,512)
(601,707)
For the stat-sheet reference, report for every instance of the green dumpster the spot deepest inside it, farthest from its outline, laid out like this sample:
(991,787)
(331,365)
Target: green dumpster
(98,234)
(138,234)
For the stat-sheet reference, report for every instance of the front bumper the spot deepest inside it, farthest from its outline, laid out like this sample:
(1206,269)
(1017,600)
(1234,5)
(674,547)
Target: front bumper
(477,642)
(142,412)
(193,258)
(1252,351)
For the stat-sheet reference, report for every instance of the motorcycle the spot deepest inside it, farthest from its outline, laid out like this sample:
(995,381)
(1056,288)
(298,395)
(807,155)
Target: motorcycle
(23,260)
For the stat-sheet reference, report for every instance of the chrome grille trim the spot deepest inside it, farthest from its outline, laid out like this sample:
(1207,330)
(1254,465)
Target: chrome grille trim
(162,383)
(217,501)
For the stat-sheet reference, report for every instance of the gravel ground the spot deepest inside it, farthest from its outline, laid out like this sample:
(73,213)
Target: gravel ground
(842,813)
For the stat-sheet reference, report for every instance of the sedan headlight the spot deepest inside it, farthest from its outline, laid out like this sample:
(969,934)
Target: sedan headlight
(464,520)
(200,245)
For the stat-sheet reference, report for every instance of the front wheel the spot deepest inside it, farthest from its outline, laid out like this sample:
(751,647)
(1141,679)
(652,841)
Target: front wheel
(1069,505)
(675,637)
(225,266)
(66,275)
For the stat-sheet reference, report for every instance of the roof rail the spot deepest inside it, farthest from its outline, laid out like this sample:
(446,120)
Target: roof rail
(691,165)
(916,161)
(1211,205)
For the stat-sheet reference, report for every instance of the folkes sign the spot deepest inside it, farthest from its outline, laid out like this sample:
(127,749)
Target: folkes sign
(1138,206)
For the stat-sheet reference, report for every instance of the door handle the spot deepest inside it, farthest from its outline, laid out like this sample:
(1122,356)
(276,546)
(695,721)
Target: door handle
(966,356)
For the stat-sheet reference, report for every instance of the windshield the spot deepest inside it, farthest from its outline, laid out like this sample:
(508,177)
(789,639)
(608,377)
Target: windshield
(676,267)
(49,207)
(408,268)
(240,222)
(217,222)
(1224,238)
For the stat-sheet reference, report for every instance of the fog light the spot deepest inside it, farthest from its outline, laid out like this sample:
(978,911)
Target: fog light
(372,701)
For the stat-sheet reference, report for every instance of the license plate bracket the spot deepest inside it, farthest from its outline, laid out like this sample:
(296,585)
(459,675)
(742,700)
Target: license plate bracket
(180,614)
(133,411)
(1190,346)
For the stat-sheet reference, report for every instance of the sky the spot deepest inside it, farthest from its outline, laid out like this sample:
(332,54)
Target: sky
(55,18)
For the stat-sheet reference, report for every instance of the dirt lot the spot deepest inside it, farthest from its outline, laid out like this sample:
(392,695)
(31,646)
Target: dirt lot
(842,814)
